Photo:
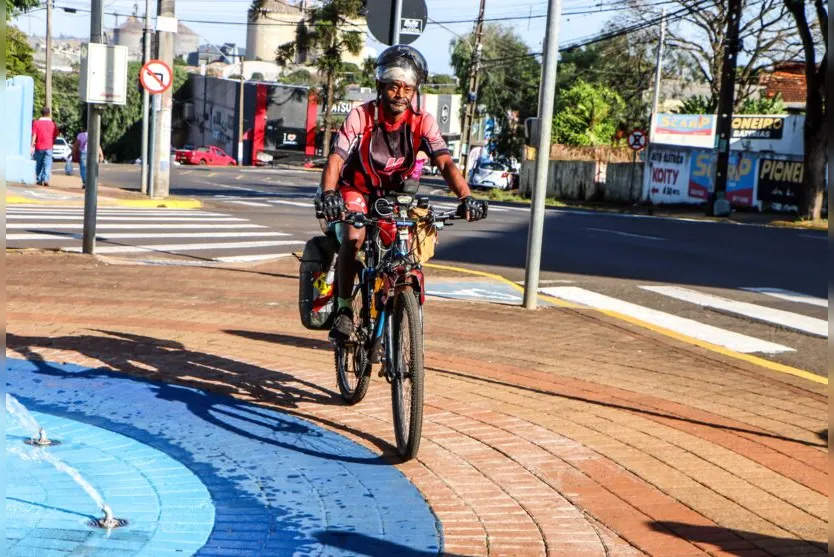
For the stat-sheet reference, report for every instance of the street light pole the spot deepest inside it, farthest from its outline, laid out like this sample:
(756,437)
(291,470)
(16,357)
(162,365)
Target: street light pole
(472,92)
(48,77)
(397,22)
(659,66)
(547,97)
(161,155)
(93,142)
(146,56)
(240,116)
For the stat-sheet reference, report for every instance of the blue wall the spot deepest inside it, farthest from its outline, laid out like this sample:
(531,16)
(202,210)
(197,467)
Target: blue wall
(18,104)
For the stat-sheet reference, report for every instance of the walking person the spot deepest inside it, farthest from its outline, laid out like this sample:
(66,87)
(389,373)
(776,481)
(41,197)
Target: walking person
(44,134)
(79,154)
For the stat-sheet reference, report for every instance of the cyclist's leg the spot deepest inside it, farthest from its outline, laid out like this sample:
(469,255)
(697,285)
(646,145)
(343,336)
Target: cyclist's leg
(352,239)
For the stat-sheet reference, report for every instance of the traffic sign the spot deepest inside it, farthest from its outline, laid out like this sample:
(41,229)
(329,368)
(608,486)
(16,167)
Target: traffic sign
(637,140)
(411,24)
(156,77)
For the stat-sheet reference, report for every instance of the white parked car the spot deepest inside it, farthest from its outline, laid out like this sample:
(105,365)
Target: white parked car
(61,150)
(491,175)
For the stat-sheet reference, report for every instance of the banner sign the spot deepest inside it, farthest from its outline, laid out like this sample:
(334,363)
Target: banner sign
(779,181)
(741,177)
(668,176)
(758,127)
(691,130)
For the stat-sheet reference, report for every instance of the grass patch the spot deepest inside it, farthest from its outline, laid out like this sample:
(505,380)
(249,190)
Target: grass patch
(805,224)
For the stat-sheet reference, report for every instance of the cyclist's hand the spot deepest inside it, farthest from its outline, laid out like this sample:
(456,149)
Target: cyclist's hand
(332,205)
(473,209)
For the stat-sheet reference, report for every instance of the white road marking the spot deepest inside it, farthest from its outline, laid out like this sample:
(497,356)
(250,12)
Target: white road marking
(815,236)
(790,296)
(555,281)
(64,226)
(657,238)
(143,219)
(249,258)
(121,212)
(187,247)
(293,203)
(248,203)
(795,321)
(708,333)
(158,235)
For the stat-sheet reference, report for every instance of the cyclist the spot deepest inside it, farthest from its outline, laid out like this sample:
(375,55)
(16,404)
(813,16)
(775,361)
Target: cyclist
(376,151)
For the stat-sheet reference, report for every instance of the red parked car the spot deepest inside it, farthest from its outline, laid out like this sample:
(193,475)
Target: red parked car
(212,156)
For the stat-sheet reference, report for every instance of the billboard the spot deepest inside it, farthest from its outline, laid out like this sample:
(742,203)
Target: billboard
(692,130)
(779,181)
(757,127)
(667,179)
(741,177)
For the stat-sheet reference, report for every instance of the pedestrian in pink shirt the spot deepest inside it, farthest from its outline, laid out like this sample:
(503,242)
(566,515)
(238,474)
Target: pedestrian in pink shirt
(44,134)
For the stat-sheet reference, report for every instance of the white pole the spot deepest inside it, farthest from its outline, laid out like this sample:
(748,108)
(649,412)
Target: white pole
(547,97)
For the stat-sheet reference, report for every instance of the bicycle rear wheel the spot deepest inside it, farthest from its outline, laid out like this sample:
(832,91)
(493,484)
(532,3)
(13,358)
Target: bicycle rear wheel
(408,376)
(353,367)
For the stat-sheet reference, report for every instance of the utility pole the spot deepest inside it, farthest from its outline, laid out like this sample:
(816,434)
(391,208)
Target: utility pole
(472,98)
(48,79)
(162,130)
(396,22)
(146,56)
(547,97)
(717,205)
(93,142)
(659,67)
(240,116)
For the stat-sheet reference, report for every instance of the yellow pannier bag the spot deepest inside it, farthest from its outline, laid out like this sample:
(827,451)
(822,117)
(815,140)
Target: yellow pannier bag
(425,235)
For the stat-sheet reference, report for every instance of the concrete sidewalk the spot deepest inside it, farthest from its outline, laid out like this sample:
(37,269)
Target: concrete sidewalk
(66,190)
(556,432)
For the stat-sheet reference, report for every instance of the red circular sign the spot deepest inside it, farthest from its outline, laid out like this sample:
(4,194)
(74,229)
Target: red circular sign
(637,140)
(156,77)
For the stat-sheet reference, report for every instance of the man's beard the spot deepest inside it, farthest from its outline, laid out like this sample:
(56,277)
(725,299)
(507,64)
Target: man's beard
(394,107)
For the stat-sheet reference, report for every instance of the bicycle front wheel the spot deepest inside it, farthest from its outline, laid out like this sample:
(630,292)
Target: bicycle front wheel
(353,368)
(408,375)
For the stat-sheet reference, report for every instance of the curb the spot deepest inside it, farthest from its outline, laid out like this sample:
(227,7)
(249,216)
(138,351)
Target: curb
(773,366)
(111,202)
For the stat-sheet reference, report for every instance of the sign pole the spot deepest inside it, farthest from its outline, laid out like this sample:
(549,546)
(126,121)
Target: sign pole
(397,22)
(93,144)
(534,238)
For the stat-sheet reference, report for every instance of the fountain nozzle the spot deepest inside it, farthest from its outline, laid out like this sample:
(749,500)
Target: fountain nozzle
(42,440)
(109,522)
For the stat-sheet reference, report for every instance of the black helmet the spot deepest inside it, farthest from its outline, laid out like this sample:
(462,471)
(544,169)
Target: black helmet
(411,64)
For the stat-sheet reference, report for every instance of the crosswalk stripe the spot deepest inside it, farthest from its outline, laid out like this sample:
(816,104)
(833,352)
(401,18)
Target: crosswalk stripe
(102,212)
(187,247)
(110,226)
(251,258)
(786,319)
(294,203)
(707,333)
(249,203)
(151,235)
(790,296)
(142,218)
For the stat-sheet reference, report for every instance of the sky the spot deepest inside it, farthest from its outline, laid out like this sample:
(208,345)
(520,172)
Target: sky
(230,16)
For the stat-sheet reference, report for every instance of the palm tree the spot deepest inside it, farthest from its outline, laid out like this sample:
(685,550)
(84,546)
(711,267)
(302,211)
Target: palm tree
(327,33)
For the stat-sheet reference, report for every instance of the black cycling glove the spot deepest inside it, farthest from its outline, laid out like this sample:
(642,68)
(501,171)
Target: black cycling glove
(332,205)
(476,208)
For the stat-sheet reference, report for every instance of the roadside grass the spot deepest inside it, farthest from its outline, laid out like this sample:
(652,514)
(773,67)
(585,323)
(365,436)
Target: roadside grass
(805,224)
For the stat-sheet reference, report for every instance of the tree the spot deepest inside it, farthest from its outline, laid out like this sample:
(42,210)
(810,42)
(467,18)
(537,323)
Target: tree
(509,81)
(586,114)
(815,133)
(326,34)
(14,7)
(297,77)
(699,104)
(766,33)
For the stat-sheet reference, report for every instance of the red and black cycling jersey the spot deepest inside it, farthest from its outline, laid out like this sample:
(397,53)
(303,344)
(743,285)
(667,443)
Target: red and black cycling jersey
(378,153)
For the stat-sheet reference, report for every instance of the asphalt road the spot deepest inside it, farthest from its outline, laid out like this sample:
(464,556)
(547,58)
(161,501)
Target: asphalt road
(612,254)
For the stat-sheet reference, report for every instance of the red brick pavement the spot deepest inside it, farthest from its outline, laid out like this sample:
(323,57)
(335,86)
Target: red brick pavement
(554,432)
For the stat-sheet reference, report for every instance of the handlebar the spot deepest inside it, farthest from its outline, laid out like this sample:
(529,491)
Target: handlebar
(360,220)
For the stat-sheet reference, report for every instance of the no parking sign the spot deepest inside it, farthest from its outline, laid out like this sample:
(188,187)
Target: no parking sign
(156,77)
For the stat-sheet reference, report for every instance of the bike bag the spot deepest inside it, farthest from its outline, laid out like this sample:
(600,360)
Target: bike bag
(317,283)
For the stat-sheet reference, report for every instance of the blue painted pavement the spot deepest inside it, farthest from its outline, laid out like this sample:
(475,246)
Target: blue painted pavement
(196,474)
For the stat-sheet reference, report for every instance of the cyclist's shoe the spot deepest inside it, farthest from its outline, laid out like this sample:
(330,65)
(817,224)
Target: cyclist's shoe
(342,326)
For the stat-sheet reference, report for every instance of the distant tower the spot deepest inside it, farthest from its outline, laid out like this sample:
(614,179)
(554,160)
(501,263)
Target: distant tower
(270,27)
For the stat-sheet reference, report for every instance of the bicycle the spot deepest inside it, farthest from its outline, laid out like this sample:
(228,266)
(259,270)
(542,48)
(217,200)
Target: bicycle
(388,302)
